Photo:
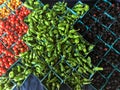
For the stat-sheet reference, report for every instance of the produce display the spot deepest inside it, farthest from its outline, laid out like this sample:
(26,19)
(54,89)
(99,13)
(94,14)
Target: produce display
(55,52)
(44,41)
(101,27)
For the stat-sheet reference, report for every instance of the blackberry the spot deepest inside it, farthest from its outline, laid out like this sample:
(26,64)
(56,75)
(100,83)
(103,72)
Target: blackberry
(107,68)
(108,37)
(114,82)
(117,46)
(98,81)
(106,20)
(113,58)
(115,28)
(102,5)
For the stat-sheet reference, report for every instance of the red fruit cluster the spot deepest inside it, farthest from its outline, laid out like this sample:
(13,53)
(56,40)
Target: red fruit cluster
(6,59)
(20,47)
(9,40)
(5,63)
(11,30)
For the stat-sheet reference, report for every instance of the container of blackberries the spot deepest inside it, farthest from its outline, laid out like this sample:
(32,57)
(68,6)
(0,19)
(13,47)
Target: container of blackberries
(113,58)
(115,28)
(98,53)
(113,82)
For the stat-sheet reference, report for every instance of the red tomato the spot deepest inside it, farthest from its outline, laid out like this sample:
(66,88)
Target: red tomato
(3,71)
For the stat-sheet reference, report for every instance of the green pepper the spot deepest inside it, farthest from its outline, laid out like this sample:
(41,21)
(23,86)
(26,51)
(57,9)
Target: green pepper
(59,46)
(61,67)
(46,23)
(46,7)
(26,5)
(89,61)
(36,2)
(11,74)
(77,40)
(27,72)
(18,78)
(86,7)
(97,68)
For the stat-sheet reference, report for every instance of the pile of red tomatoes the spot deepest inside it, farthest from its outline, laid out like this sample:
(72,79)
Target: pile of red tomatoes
(11,30)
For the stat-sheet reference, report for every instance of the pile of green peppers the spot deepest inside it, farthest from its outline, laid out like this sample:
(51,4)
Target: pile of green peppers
(57,52)
(6,83)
